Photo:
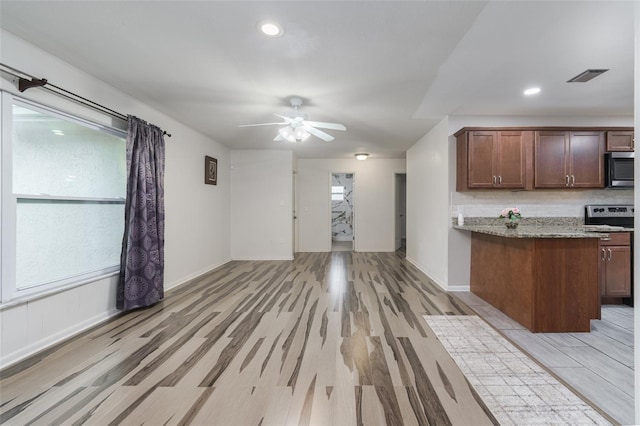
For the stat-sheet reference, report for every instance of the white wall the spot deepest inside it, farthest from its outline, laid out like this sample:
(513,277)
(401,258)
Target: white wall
(262,205)
(374,206)
(197,215)
(428,203)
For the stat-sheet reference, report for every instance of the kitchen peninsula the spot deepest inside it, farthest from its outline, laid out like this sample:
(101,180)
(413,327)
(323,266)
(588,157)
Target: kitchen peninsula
(544,277)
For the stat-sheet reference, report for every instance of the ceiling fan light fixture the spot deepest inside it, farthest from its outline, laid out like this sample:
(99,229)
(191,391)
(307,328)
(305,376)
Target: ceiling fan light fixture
(301,134)
(290,134)
(270,28)
(361,156)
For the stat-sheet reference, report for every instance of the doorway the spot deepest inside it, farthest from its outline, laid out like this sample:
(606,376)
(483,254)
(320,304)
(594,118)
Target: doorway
(400,212)
(342,205)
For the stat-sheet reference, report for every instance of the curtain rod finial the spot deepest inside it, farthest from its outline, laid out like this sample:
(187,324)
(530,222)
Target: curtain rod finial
(24,84)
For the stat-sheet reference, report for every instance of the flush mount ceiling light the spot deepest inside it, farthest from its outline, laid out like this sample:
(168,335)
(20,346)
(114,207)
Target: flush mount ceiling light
(361,156)
(587,75)
(532,91)
(270,28)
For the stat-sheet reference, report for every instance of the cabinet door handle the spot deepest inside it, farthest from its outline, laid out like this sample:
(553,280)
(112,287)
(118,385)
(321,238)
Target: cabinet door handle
(604,254)
(573,180)
(567,180)
(500,180)
(609,255)
(494,181)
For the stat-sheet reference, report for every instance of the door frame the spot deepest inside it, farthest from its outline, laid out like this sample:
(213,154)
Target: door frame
(396,206)
(353,210)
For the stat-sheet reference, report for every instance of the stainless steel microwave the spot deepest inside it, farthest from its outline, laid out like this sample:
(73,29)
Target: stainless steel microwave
(618,168)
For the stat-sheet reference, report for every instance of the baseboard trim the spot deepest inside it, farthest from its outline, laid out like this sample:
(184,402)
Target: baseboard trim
(258,259)
(68,333)
(459,288)
(195,275)
(441,284)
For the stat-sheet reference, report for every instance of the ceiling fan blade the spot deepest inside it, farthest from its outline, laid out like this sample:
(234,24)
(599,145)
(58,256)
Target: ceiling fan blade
(322,125)
(287,120)
(317,133)
(263,124)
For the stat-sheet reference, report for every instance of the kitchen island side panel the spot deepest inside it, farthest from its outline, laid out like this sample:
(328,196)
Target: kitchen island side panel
(567,295)
(502,274)
(547,285)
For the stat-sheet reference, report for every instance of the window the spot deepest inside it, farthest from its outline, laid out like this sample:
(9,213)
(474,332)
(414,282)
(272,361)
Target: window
(337,193)
(63,207)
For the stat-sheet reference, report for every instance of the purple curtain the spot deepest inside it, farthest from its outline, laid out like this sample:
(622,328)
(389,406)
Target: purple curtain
(142,260)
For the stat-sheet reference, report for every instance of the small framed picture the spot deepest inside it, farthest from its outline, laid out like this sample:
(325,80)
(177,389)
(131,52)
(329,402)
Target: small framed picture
(210,170)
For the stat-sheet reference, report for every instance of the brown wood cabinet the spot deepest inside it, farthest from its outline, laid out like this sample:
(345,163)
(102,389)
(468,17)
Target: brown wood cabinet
(620,140)
(535,157)
(493,159)
(615,265)
(569,159)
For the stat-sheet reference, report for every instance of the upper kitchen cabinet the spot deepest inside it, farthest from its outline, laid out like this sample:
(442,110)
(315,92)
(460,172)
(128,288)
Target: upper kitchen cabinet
(621,140)
(569,159)
(493,159)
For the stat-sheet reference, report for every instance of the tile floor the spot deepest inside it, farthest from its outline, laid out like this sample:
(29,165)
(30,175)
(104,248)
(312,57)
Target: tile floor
(598,365)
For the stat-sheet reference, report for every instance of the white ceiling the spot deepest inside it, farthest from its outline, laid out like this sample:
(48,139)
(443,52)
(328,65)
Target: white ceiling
(388,70)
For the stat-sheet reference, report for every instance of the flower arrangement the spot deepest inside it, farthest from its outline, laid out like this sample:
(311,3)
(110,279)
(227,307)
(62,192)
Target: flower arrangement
(511,213)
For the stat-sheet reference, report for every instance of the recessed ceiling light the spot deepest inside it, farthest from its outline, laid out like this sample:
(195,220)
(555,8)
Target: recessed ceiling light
(57,132)
(532,91)
(270,28)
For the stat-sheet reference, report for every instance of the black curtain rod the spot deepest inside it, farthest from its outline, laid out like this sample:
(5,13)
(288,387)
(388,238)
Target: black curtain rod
(24,84)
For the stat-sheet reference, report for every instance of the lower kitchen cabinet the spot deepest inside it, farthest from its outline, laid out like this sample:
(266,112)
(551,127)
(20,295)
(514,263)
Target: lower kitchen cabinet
(615,265)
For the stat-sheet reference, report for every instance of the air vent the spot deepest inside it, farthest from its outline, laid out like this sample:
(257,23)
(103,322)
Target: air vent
(587,75)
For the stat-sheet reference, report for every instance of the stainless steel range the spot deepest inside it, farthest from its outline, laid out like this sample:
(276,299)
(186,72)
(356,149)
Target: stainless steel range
(608,214)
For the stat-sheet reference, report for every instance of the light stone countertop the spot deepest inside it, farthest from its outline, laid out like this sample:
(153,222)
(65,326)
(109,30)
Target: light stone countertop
(539,228)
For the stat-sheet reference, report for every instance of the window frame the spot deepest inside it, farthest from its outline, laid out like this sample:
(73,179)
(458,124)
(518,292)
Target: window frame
(10,294)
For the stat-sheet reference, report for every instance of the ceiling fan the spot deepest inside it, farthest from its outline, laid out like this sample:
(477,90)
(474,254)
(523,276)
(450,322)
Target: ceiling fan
(296,126)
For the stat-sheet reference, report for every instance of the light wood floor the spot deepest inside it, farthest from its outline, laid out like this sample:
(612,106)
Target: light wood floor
(329,338)
(598,364)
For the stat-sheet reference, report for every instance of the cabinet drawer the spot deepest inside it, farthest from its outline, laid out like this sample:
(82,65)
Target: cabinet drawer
(616,239)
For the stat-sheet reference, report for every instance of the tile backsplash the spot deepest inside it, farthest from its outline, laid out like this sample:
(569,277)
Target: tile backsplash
(536,203)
